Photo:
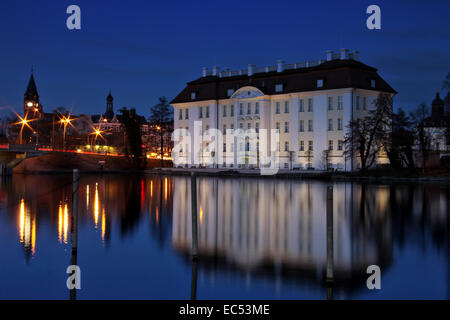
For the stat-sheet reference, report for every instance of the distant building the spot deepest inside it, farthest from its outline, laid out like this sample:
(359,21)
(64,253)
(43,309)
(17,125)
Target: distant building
(310,104)
(437,126)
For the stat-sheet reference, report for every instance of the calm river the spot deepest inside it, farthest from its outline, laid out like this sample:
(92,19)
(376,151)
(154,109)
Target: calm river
(257,238)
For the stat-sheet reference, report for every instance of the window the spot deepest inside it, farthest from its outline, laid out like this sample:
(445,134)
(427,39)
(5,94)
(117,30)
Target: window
(301,126)
(286,107)
(241,125)
(230,92)
(330,145)
(339,124)
(224,129)
(286,127)
(249,108)
(277,108)
(330,103)
(186,114)
(320,83)
(232,127)
(279,88)
(193,95)
(302,146)
(207,112)
(286,146)
(357,103)
(224,147)
(372,83)
(241,109)
(310,105)
(278,126)
(224,111)
(249,125)
(257,127)
(310,125)
(340,103)
(364,103)
(310,145)
(180,115)
(330,124)
(232,111)
(301,107)
(257,108)
(200,115)
(340,144)
(187,131)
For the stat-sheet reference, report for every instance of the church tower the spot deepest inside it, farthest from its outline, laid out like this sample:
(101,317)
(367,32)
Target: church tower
(109,114)
(31,103)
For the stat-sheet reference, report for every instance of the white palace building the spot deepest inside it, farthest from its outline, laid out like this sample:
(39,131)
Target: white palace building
(303,107)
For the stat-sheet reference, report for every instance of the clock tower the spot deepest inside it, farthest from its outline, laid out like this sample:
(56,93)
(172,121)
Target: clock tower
(31,104)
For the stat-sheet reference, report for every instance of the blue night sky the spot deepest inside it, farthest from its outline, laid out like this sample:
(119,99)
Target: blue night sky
(145,49)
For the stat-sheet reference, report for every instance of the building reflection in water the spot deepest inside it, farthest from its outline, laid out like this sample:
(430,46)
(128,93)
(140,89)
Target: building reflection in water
(278,227)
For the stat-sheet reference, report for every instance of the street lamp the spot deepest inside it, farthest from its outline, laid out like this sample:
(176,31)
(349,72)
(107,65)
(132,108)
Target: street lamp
(23,122)
(65,121)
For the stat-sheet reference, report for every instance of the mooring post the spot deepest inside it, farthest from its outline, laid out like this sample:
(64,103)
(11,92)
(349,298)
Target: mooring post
(194,280)
(194,215)
(74,228)
(330,249)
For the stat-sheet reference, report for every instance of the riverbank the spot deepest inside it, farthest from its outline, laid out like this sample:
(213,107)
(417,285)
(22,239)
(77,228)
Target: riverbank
(370,176)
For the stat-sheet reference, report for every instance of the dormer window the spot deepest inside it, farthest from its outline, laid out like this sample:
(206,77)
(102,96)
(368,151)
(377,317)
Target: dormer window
(230,92)
(320,83)
(193,95)
(372,83)
(279,87)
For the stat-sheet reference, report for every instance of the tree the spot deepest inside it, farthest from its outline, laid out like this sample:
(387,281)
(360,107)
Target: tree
(161,118)
(399,147)
(367,137)
(422,137)
(132,128)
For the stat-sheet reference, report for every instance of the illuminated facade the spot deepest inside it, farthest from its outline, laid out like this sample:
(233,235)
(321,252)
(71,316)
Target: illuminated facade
(309,103)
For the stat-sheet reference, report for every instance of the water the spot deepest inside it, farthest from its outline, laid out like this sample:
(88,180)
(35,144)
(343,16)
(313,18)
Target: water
(258,238)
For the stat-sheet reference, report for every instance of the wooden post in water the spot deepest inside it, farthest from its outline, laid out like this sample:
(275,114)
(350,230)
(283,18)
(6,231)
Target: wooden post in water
(74,228)
(194,280)
(194,216)
(330,249)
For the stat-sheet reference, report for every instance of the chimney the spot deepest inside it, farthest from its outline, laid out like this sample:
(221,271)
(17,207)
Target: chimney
(250,69)
(204,71)
(329,55)
(280,66)
(215,70)
(344,54)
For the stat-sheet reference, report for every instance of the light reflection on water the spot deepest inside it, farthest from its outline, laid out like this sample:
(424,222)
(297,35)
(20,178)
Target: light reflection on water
(257,238)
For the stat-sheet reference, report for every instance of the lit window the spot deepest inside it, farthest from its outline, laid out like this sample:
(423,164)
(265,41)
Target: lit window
(320,83)
(372,83)
(230,92)
(193,95)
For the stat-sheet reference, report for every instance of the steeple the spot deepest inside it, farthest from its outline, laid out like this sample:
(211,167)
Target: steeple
(437,107)
(31,97)
(109,114)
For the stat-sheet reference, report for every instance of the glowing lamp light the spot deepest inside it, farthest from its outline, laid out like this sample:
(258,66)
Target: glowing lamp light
(29,104)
